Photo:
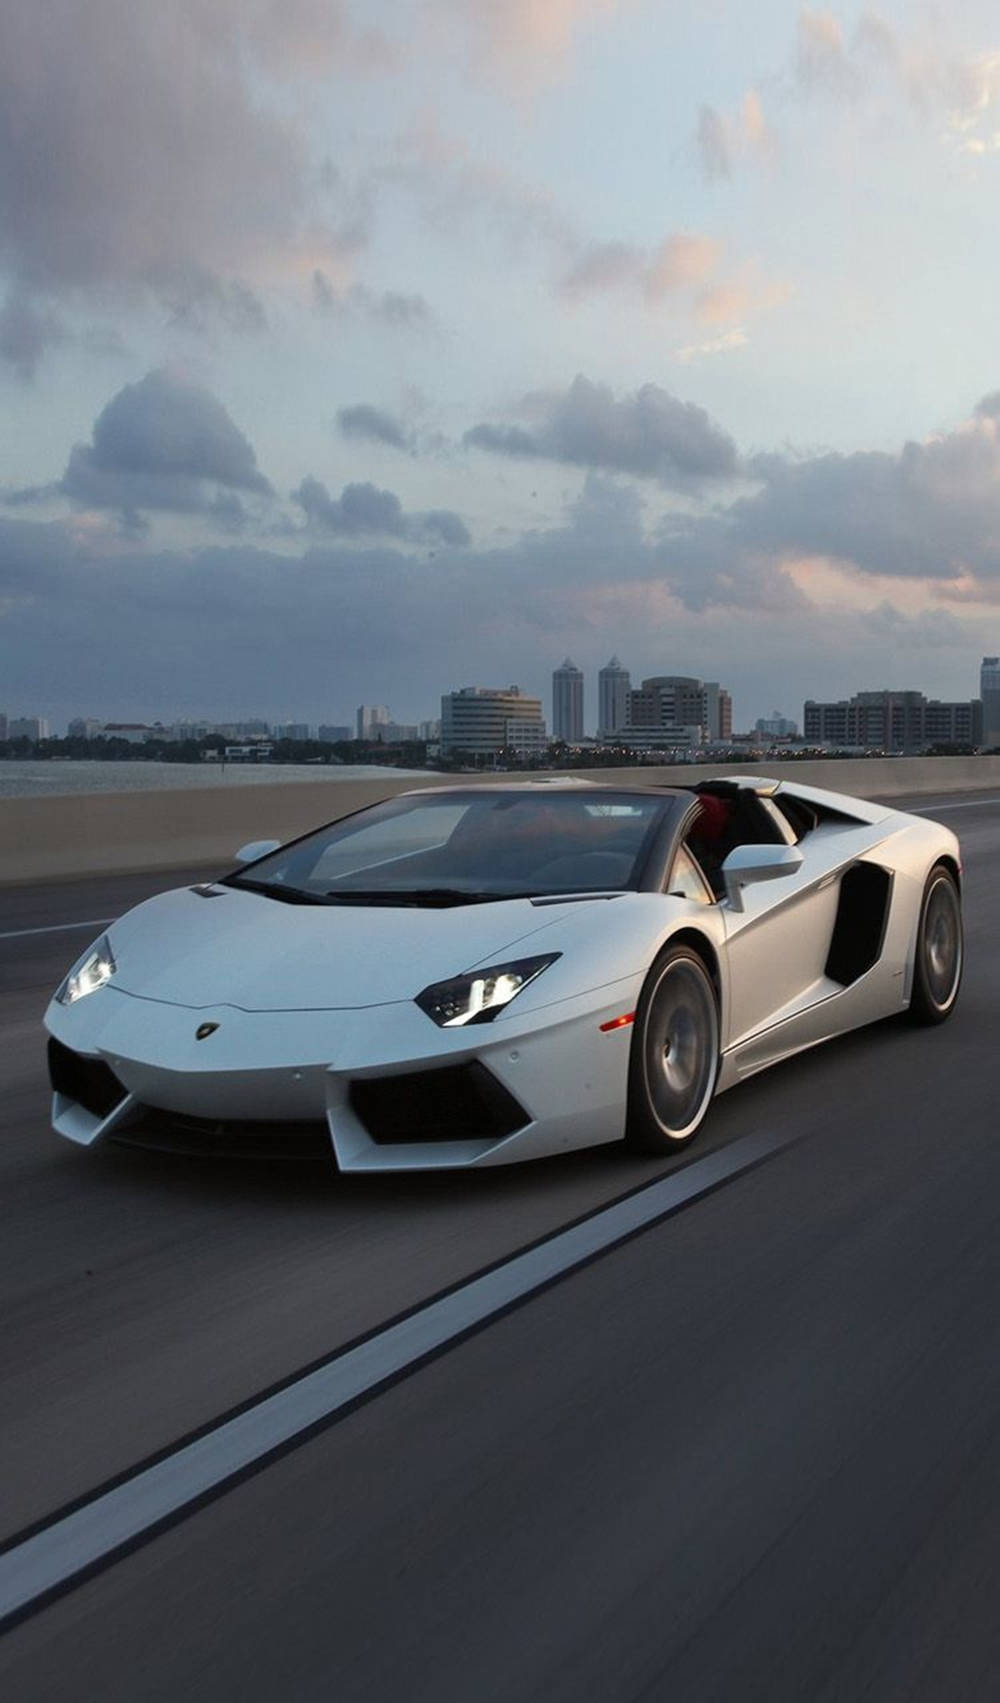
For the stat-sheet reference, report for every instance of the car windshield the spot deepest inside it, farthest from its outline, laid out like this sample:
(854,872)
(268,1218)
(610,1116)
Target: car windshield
(464,848)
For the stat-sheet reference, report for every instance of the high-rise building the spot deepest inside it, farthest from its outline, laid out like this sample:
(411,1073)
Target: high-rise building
(31,727)
(478,719)
(718,712)
(892,721)
(567,703)
(667,703)
(3,727)
(613,684)
(989,691)
(370,717)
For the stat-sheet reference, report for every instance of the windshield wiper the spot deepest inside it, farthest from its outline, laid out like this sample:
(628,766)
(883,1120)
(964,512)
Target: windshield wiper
(287,895)
(438,898)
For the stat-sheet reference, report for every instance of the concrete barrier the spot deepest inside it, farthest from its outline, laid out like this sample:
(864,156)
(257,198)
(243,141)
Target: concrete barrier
(44,839)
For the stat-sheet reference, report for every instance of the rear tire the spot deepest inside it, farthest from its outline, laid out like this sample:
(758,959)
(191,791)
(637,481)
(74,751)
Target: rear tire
(937,967)
(675,1054)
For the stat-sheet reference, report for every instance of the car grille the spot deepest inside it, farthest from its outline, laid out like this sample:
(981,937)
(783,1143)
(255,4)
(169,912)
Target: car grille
(88,1081)
(462,1102)
(223,1138)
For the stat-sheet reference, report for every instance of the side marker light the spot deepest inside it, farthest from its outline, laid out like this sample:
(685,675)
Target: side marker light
(618,1022)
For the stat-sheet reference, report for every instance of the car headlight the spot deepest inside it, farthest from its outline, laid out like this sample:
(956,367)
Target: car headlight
(92,971)
(479,996)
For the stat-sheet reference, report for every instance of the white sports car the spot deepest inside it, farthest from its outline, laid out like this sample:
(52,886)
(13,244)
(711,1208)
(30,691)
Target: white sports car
(469,976)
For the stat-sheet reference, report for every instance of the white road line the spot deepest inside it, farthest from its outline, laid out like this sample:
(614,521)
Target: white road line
(92,1534)
(967,804)
(56,928)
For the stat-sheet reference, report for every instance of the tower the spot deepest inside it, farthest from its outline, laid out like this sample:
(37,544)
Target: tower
(567,703)
(613,684)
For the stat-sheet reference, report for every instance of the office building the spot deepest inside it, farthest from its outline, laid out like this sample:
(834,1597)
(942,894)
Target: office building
(31,727)
(370,717)
(525,738)
(567,703)
(989,692)
(775,726)
(613,686)
(678,701)
(476,719)
(892,721)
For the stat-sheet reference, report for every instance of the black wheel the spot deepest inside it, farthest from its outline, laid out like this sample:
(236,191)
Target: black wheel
(937,968)
(675,1054)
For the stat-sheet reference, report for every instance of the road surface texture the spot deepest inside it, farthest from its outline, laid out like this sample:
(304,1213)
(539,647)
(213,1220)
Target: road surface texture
(751,1453)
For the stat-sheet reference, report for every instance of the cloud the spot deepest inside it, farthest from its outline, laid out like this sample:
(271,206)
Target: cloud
(143,149)
(650,433)
(362,510)
(392,308)
(684,259)
(821,54)
(685,266)
(723,141)
(932,511)
(521,42)
(742,295)
(131,145)
(681,261)
(713,144)
(26,332)
(164,444)
(364,421)
(359,509)
(956,93)
(379,619)
(721,345)
(602,266)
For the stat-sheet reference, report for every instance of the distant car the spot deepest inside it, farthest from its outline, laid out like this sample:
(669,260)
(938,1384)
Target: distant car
(468,976)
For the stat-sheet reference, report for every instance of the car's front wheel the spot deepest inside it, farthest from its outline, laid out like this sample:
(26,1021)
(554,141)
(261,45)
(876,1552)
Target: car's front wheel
(937,969)
(675,1053)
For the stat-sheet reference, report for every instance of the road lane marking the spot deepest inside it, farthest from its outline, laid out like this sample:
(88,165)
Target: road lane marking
(55,928)
(967,804)
(41,1564)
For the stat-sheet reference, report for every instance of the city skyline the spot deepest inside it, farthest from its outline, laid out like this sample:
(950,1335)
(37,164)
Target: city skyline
(352,341)
(611,684)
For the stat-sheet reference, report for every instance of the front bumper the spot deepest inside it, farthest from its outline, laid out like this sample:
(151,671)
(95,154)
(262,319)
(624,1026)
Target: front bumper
(392,1091)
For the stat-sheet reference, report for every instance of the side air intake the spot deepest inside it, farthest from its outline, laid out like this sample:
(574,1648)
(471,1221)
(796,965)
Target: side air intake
(862,914)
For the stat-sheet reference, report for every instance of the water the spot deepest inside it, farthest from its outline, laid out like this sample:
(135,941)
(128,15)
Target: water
(33,779)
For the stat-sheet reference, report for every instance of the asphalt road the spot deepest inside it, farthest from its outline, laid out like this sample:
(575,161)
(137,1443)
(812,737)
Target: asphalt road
(753,1453)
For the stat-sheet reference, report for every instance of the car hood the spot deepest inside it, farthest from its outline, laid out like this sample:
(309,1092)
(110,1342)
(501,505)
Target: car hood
(220,946)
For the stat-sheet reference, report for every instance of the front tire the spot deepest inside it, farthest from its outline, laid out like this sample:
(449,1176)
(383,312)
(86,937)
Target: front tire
(937,968)
(675,1054)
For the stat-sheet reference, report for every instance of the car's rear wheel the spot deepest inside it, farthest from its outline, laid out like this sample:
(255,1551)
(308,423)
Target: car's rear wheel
(675,1054)
(937,969)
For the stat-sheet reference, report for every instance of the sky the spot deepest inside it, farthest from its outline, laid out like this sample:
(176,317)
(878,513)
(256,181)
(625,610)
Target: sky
(357,353)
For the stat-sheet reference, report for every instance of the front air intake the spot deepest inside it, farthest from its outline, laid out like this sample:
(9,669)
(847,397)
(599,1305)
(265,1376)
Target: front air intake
(463,1102)
(88,1081)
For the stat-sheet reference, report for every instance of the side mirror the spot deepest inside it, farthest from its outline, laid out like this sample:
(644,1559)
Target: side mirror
(757,863)
(257,848)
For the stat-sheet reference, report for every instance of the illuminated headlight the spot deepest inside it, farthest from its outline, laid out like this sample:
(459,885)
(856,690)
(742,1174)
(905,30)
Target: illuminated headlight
(479,996)
(92,971)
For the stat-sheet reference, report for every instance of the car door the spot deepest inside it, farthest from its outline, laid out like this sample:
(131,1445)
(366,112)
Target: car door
(778,943)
